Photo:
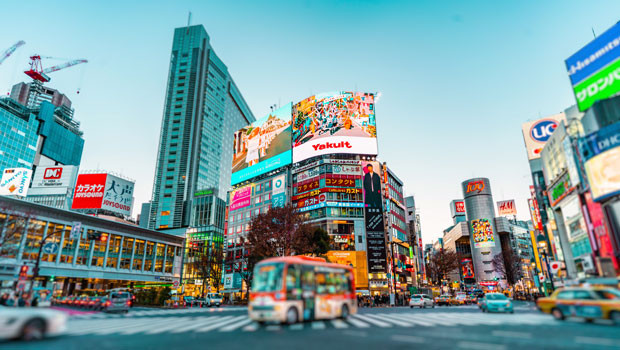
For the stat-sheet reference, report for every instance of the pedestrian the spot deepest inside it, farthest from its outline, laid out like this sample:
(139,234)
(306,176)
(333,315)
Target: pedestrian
(35,302)
(21,301)
(4,298)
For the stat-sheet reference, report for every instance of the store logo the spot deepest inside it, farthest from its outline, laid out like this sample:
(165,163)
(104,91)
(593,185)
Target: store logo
(460,206)
(475,186)
(609,142)
(52,173)
(326,145)
(542,130)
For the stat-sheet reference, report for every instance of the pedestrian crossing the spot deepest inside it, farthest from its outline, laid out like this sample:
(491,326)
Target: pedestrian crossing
(231,323)
(157,312)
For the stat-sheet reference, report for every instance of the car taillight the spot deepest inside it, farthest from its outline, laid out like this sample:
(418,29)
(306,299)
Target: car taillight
(421,299)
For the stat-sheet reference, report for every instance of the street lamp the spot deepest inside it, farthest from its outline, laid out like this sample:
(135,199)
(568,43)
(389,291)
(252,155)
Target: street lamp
(542,245)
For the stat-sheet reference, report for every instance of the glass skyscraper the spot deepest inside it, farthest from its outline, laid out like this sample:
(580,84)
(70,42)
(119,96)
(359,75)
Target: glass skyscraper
(203,108)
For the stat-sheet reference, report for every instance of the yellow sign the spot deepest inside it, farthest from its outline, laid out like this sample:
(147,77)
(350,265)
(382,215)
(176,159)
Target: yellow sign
(357,260)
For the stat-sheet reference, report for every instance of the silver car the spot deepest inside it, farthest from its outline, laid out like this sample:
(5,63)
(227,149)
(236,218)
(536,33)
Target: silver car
(421,301)
(119,302)
(213,299)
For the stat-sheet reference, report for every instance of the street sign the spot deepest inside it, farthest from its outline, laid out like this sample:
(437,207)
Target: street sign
(175,283)
(76,230)
(555,266)
(198,282)
(50,248)
(541,277)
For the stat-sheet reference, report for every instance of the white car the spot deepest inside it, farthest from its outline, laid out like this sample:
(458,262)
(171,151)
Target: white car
(213,299)
(421,301)
(29,323)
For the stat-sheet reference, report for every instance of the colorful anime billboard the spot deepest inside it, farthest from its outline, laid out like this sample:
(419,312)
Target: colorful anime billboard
(262,146)
(337,122)
(482,233)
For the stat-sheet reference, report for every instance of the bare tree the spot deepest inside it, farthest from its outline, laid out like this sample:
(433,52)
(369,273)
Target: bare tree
(206,261)
(508,265)
(442,263)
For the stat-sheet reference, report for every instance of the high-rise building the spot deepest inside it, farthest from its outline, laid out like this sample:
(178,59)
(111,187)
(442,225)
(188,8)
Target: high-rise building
(203,108)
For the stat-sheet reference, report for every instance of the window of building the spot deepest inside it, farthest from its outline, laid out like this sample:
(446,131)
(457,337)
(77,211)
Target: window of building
(54,232)
(159,259)
(113,251)
(138,255)
(126,251)
(148,260)
(99,250)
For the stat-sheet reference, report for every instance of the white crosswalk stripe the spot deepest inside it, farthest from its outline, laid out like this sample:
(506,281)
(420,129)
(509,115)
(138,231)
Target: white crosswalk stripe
(176,324)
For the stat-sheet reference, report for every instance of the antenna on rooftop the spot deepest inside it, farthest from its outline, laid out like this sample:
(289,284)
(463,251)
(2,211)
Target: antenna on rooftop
(189,21)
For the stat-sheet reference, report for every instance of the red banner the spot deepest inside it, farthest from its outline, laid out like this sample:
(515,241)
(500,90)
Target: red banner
(89,190)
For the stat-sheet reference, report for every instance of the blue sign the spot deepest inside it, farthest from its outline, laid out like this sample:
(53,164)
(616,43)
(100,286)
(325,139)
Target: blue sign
(50,248)
(332,204)
(542,130)
(594,56)
(600,141)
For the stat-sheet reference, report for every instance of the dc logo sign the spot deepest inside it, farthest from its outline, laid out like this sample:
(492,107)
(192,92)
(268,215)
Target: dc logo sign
(542,130)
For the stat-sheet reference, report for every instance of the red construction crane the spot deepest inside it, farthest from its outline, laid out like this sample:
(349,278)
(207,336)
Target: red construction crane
(10,50)
(37,72)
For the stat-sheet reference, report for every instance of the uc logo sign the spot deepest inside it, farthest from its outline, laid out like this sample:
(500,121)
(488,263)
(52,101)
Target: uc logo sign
(542,130)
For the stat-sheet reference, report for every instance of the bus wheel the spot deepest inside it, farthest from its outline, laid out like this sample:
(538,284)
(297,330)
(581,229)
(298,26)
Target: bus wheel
(291,316)
(344,313)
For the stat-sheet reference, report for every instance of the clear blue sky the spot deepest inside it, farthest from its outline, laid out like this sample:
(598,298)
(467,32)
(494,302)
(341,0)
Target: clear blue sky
(457,78)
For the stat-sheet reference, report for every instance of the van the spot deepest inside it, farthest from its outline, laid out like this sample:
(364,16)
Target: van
(213,299)
(119,302)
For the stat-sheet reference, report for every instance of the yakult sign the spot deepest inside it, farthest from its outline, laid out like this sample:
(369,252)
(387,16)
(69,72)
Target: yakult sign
(536,133)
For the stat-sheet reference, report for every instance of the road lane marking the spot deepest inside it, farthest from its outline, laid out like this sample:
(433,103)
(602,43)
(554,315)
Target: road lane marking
(480,346)
(234,326)
(408,338)
(373,321)
(296,326)
(203,321)
(357,323)
(169,326)
(251,327)
(390,320)
(222,322)
(512,334)
(339,324)
(358,334)
(147,324)
(597,341)
(415,319)
(318,325)
(95,325)
(273,327)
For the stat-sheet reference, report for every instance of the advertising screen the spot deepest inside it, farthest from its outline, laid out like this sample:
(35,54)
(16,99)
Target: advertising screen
(89,191)
(278,194)
(594,70)
(240,198)
(375,236)
(263,146)
(537,132)
(603,173)
(15,182)
(467,268)
(337,122)
(354,259)
(507,208)
(482,233)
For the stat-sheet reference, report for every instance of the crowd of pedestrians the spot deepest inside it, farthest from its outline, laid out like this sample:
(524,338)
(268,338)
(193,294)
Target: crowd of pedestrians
(17,300)
(380,300)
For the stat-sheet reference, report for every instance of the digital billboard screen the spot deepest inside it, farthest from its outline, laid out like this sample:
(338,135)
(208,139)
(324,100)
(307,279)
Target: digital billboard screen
(594,70)
(263,146)
(336,122)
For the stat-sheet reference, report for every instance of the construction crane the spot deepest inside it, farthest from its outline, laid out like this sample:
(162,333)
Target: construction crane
(10,50)
(37,72)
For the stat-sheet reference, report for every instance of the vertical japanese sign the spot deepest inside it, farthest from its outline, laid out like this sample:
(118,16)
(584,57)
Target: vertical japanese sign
(278,196)
(118,195)
(375,236)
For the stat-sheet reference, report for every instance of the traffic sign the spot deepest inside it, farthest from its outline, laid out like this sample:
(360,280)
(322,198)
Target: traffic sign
(50,248)
(175,283)
(555,266)
(76,230)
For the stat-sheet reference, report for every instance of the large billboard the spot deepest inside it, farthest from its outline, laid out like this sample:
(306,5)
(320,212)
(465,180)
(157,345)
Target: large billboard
(373,211)
(537,132)
(354,259)
(482,231)
(263,146)
(15,182)
(601,151)
(59,176)
(507,208)
(240,198)
(103,191)
(594,70)
(336,122)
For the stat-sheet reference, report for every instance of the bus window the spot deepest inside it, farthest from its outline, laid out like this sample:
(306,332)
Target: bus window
(321,282)
(307,278)
(293,283)
(268,278)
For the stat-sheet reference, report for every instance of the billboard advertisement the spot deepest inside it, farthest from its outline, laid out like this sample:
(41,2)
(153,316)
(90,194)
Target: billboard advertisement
(537,132)
(482,233)
(262,146)
(373,211)
(603,173)
(507,208)
(103,191)
(278,194)
(594,70)
(15,182)
(89,190)
(240,198)
(54,176)
(467,268)
(118,195)
(457,208)
(354,259)
(336,122)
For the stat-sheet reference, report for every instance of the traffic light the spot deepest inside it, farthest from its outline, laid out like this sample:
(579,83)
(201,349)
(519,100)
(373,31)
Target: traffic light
(52,278)
(23,271)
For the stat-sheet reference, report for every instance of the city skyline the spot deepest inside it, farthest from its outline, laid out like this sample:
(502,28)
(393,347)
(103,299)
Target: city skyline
(111,121)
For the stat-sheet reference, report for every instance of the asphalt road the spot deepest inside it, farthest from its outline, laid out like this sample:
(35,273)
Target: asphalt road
(462,327)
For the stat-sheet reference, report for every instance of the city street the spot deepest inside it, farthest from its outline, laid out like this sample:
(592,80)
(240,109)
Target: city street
(462,327)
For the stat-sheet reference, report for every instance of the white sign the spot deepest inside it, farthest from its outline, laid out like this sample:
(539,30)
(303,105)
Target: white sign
(228,281)
(335,145)
(279,185)
(346,169)
(308,174)
(15,182)
(507,208)
(118,195)
(54,176)
(537,132)
(198,282)
(555,266)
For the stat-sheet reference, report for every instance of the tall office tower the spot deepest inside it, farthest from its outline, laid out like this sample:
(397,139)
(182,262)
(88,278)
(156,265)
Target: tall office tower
(203,109)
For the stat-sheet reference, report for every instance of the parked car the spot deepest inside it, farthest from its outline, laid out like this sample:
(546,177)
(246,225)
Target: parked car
(442,300)
(30,323)
(213,299)
(421,301)
(586,302)
(496,302)
(119,302)
(190,301)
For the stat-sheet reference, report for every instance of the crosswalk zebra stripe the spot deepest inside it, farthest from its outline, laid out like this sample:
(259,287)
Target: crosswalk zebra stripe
(391,320)
(339,324)
(150,324)
(415,320)
(251,327)
(199,323)
(94,326)
(220,324)
(367,319)
(273,327)
(296,327)
(357,323)
(169,326)
(234,326)
(318,325)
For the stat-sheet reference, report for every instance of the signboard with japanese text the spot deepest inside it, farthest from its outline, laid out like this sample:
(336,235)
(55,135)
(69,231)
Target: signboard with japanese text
(118,195)
(278,195)
(373,212)
(15,182)
(89,191)
(345,169)
(340,182)
(308,174)
(309,186)
(328,190)
(240,198)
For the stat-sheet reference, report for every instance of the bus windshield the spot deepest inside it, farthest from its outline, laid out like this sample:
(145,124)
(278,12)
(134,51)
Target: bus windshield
(268,277)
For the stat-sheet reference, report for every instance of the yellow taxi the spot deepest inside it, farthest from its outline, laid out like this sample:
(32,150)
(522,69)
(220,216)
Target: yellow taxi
(586,302)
